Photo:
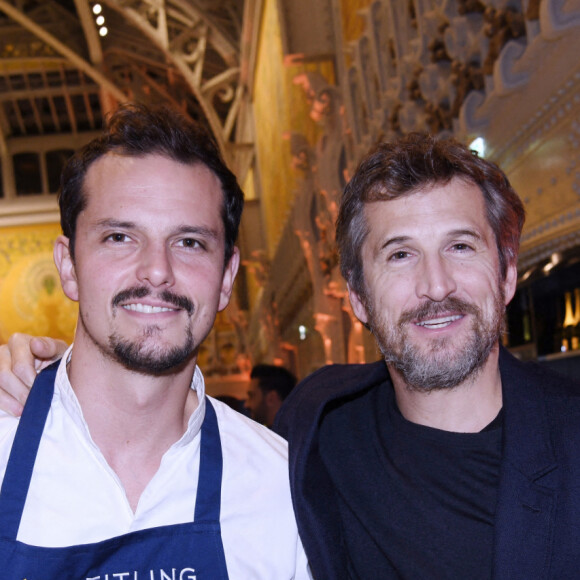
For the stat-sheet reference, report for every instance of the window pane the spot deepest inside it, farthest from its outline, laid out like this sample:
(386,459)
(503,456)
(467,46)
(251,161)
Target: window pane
(55,161)
(27,174)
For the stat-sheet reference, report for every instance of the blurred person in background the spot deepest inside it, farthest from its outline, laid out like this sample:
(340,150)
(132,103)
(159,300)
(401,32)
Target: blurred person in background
(269,387)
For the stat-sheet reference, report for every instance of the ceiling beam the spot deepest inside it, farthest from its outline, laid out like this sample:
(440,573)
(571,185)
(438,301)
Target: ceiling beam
(62,49)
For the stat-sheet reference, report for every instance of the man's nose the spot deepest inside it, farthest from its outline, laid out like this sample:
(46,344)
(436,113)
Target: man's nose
(436,278)
(155,266)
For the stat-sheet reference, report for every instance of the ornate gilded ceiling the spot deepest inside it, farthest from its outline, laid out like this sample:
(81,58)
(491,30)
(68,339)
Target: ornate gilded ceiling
(57,73)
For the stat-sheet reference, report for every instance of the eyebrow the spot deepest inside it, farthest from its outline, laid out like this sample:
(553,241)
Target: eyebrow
(111,223)
(395,240)
(465,232)
(451,234)
(198,230)
(207,233)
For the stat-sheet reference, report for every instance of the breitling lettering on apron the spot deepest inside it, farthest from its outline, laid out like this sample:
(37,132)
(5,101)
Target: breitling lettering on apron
(185,574)
(187,551)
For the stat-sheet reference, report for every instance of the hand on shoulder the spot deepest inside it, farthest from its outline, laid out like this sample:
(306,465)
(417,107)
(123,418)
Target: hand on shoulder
(20,360)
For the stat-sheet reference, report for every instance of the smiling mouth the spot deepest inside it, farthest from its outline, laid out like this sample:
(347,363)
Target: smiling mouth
(147,309)
(437,323)
(124,299)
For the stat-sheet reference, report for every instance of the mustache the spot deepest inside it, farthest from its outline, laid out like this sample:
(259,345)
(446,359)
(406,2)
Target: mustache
(432,309)
(182,302)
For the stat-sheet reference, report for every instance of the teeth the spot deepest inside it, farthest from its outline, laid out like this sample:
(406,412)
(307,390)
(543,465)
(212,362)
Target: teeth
(146,308)
(439,322)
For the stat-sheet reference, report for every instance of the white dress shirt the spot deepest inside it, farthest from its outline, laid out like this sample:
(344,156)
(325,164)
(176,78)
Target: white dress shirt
(76,498)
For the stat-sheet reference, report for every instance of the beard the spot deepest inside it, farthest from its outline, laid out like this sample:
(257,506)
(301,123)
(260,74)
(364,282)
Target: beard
(142,357)
(147,353)
(439,365)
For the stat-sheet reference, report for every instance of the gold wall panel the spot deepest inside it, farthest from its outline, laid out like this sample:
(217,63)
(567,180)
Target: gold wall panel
(249,186)
(280,107)
(31,298)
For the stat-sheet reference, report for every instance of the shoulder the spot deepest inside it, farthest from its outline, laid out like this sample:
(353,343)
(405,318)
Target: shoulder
(535,377)
(540,403)
(331,383)
(320,395)
(243,436)
(256,499)
(255,464)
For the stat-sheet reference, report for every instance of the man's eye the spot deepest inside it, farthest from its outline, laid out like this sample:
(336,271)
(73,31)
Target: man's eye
(117,237)
(190,243)
(401,255)
(461,247)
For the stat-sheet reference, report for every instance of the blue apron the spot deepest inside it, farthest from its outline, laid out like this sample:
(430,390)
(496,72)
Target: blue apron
(190,551)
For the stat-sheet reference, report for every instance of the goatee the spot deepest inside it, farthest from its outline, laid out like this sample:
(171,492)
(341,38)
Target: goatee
(140,355)
(437,364)
(150,360)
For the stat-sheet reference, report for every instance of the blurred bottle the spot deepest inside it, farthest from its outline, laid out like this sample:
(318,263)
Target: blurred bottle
(559,335)
(568,324)
(575,338)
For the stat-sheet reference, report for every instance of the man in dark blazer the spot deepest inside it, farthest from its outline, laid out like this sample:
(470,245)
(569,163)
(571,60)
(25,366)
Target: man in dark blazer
(453,460)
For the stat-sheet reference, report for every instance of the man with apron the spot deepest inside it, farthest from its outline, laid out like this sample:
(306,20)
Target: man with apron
(121,467)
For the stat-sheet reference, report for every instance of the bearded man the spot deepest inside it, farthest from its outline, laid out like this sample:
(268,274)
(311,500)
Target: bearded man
(449,458)
(121,466)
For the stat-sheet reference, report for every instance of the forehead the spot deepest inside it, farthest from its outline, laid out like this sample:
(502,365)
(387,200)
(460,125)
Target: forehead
(430,211)
(151,184)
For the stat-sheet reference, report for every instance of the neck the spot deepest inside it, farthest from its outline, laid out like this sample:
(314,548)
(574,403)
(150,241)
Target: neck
(466,408)
(133,418)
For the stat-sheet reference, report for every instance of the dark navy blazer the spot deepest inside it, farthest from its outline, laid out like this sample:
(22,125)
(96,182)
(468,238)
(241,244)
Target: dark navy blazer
(537,528)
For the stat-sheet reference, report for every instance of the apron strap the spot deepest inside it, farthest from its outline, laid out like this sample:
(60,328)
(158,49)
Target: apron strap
(23,454)
(27,440)
(209,486)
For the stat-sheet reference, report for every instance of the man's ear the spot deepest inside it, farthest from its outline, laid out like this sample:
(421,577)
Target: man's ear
(66,268)
(230,273)
(357,304)
(510,282)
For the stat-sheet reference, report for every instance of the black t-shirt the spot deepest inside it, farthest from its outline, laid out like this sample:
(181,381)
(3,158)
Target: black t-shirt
(415,502)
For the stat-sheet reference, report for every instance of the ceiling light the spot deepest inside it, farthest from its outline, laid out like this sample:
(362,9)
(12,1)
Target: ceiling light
(478,145)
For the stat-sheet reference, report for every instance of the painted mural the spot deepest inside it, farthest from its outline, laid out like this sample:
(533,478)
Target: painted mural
(31,298)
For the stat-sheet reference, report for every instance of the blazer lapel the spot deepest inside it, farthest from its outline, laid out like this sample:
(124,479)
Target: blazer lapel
(526,496)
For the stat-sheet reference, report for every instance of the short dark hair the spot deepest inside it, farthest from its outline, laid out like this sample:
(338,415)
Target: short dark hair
(138,130)
(274,378)
(410,164)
